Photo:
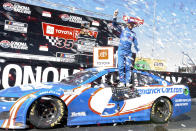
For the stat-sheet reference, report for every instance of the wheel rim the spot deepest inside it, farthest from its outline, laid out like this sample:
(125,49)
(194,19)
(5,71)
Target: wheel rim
(162,109)
(46,111)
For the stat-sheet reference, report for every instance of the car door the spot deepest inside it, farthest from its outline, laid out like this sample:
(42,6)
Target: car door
(137,107)
(94,105)
(101,101)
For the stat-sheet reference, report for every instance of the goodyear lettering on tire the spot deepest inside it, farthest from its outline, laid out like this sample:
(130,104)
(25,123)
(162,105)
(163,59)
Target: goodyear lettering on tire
(153,109)
(170,110)
(61,114)
(32,112)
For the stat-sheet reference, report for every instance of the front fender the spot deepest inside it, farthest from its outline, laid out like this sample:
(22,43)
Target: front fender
(19,111)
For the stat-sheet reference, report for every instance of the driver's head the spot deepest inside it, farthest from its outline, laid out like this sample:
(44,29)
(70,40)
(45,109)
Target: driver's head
(131,24)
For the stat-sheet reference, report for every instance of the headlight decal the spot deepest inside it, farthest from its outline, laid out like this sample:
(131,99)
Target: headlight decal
(8,99)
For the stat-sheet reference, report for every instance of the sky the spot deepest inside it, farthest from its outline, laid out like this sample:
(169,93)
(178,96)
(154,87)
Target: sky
(169,27)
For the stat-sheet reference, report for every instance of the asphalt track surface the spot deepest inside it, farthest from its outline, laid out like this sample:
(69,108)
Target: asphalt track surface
(185,122)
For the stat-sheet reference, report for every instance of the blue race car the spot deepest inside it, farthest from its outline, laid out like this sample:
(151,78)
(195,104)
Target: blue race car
(90,97)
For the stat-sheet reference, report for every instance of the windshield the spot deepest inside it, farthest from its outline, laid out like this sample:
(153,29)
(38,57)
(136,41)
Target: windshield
(79,77)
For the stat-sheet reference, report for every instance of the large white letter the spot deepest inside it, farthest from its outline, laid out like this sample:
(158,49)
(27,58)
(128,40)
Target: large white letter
(38,74)
(5,75)
(28,73)
(64,73)
(55,74)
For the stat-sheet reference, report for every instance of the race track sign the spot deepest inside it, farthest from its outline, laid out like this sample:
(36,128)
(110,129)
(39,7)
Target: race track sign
(103,57)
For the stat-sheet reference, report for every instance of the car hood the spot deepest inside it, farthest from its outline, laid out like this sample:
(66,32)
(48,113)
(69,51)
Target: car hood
(19,91)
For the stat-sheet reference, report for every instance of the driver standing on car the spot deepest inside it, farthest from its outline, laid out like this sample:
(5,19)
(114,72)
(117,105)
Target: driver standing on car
(127,38)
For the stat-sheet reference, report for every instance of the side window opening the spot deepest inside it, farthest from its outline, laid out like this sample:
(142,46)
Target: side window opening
(142,80)
(108,80)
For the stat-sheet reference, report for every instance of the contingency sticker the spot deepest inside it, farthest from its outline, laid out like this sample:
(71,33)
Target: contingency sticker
(15,26)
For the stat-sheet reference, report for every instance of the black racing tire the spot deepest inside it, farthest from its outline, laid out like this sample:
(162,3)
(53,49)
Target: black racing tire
(47,112)
(161,110)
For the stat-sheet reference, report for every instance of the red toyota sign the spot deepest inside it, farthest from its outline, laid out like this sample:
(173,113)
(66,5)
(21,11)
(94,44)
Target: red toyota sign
(60,31)
(64,31)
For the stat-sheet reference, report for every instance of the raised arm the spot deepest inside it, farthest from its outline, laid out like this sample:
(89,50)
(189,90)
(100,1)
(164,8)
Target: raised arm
(114,22)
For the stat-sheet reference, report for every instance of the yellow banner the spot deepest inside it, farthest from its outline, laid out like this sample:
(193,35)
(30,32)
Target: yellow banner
(150,64)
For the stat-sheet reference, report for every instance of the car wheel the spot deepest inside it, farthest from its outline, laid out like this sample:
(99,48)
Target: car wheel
(161,110)
(47,112)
